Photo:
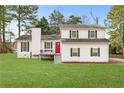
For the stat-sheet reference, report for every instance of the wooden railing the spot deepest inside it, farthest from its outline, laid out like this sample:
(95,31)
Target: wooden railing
(47,51)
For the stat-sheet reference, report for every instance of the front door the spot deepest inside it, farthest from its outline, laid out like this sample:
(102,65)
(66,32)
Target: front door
(57,47)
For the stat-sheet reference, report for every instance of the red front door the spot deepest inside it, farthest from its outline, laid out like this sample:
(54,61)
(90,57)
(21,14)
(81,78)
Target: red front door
(57,47)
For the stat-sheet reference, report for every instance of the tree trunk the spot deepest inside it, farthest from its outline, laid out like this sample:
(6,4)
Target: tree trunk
(0,41)
(123,39)
(19,23)
(19,28)
(3,34)
(123,50)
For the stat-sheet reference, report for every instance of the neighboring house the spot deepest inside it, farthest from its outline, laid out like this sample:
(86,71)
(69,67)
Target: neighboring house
(76,43)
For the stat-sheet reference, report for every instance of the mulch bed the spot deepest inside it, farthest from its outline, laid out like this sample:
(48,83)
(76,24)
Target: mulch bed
(110,62)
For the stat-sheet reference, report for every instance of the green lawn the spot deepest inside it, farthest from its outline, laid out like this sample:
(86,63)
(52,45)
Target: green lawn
(36,73)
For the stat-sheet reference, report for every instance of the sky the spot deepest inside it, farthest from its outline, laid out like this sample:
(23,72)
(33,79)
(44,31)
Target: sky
(100,11)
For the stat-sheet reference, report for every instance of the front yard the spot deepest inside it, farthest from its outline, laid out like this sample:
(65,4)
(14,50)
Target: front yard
(36,73)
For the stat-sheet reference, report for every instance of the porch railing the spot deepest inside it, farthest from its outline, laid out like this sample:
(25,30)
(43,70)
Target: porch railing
(47,51)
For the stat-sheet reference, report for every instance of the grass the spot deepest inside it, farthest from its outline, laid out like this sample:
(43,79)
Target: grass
(28,73)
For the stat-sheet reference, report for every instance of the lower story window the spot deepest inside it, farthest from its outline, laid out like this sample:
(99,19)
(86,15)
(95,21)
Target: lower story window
(24,46)
(75,52)
(48,45)
(95,51)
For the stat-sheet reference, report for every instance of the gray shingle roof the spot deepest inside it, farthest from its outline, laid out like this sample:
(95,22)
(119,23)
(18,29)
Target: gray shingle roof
(43,37)
(84,40)
(24,37)
(80,26)
(57,37)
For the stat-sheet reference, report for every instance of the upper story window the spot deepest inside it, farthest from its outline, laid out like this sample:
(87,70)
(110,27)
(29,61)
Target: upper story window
(92,34)
(73,34)
(48,45)
(24,46)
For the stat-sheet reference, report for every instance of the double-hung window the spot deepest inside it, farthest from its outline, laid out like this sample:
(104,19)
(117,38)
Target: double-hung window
(48,45)
(75,52)
(92,34)
(95,51)
(73,34)
(24,46)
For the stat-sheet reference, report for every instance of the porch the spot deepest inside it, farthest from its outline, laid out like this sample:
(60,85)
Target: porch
(47,54)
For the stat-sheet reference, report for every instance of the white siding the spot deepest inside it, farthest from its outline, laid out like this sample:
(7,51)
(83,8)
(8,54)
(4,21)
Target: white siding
(36,38)
(65,34)
(23,54)
(85,47)
(85,55)
(83,33)
(27,54)
(53,43)
(100,34)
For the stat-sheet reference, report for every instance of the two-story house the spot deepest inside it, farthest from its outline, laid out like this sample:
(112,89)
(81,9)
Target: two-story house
(76,43)
(84,43)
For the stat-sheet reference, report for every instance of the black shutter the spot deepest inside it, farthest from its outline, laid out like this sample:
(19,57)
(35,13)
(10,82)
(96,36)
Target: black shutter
(28,46)
(51,45)
(44,45)
(88,34)
(79,52)
(77,34)
(21,46)
(91,52)
(96,34)
(98,51)
(70,34)
(71,52)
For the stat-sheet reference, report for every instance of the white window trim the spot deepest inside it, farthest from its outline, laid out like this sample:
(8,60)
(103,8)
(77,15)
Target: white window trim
(76,52)
(97,52)
(47,44)
(94,37)
(72,37)
(24,47)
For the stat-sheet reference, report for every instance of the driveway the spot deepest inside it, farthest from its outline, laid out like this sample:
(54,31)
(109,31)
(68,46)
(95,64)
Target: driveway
(116,59)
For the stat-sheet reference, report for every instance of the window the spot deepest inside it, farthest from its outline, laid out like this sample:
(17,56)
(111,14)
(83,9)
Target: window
(92,34)
(95,51)
(75,52)
(74,34)
(25,46)
(48,45)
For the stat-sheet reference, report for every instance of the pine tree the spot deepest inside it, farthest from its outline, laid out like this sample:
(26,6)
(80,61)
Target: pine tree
(24,15)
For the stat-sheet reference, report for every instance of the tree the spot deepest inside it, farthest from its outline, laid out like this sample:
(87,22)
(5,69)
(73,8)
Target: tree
(5,18)
(24,15)
(85,20)
(95,18)
(74,20)
(116,22)
(56,18)
(10,36)
(44,25)
(0,29)
(115,42)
